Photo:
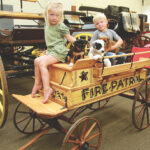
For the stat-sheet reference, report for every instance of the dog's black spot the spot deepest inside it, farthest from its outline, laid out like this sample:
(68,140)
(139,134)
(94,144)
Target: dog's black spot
(98,45)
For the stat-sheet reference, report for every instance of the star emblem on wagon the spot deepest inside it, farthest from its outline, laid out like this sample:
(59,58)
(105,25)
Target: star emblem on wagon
(83,76)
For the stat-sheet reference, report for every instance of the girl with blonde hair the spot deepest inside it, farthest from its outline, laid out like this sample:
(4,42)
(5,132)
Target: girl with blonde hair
(56,35)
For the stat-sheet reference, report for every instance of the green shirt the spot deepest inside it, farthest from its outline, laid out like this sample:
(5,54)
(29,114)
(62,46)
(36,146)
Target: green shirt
(55,41)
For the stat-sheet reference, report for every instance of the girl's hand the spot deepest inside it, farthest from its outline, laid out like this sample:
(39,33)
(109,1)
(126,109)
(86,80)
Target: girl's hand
(70,38)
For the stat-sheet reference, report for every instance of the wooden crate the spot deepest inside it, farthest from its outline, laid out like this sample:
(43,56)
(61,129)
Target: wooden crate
(78,75)
(73,97)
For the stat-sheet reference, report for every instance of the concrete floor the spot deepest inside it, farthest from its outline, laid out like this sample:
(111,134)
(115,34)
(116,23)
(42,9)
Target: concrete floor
(118,132)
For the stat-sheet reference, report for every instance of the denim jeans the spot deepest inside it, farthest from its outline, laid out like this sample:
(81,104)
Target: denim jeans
(120,60)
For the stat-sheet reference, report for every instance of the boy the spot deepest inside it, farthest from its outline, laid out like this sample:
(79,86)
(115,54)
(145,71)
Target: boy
(101,23)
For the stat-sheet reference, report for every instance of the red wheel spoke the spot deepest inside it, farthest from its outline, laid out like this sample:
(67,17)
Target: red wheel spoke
(139,105)
(143,116)
(84,129)
(75,147)
(141,111)
(73,141)
(78,133)
(72,135)
(93,136)
(93,146)
(89,131)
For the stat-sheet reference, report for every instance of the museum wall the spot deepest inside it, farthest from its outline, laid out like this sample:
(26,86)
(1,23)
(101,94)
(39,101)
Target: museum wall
(38,7)
(146,9)
(135,5)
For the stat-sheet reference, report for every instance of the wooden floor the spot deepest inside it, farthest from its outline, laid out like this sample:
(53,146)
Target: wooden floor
(118,132)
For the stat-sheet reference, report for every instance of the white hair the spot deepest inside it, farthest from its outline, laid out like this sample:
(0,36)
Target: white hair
(99,16)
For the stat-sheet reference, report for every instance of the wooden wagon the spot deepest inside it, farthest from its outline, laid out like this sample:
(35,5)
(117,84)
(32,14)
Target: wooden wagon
(81,87)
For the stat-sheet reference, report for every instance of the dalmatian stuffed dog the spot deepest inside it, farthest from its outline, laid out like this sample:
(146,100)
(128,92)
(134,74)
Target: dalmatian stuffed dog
(98,50)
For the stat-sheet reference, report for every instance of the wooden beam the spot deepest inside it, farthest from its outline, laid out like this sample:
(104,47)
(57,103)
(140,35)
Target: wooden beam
(124,67)
(127,54)
(20,15)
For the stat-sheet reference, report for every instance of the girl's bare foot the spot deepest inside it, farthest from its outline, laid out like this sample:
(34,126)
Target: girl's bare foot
(47,94)
(35,89)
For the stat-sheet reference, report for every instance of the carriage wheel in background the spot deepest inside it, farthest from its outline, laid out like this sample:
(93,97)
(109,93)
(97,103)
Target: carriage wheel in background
(84,36)
(27,121)
(140,109)
(3,95)
(84,134)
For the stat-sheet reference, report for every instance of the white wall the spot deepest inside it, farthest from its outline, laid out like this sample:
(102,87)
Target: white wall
(134,5)
(32,7)
(146,9)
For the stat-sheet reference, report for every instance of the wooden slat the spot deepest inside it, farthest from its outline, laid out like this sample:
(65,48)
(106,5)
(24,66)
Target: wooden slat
(79,104)
(20,15)
(63,66)
(50,109)
(80,64)
(84,63)
(128,54)
(125,67)
(141,64)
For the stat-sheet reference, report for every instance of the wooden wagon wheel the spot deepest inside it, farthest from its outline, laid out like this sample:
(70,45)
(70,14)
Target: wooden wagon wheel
(86,36)
(84,134)
(3,95)
(98,105)
(140,109)
(27,121)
